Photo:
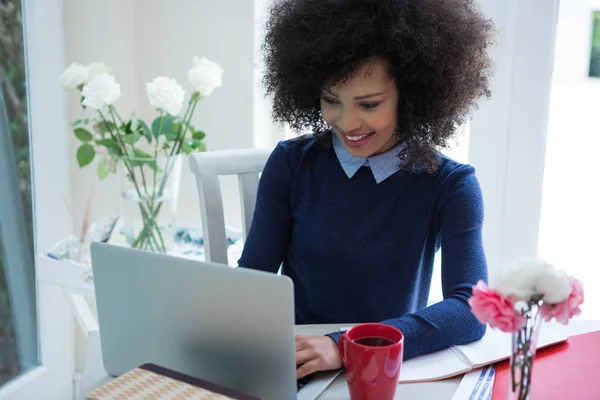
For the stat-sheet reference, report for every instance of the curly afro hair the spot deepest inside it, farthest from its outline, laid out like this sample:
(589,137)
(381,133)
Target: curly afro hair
(436,50)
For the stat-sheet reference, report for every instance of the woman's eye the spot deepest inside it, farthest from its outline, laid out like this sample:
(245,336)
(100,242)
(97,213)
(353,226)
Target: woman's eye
(369,106)
(329,101)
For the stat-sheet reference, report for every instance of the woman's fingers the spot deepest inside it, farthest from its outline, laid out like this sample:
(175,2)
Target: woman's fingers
(302,343)
(307,369)
(304,356)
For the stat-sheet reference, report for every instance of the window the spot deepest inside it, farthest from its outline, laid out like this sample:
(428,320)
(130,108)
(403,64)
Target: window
(18,322)
(570,213)
(42,323)
(595,46)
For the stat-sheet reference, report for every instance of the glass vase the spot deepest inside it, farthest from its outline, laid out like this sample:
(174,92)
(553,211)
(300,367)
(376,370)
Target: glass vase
(150,194)
(524,345)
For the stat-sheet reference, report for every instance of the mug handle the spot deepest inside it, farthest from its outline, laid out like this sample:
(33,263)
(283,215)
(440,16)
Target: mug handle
(342,347)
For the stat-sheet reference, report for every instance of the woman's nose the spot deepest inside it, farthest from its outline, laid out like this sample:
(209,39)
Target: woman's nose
(349,121)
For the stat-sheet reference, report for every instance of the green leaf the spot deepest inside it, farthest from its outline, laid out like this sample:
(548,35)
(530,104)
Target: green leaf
(105,127)
(141,154)
(135,123)
(102,168)
(108,142)
(199,135)
(171,136)
(152,164)
(146,131)
(186,148)
(140,158)
(107,165)
(126,127)
(85,154)
(201,147)
(175,126)
(167,121)
(197,145)
(111,166)
(114,152)
(132,138)
(76,122)
(83,134)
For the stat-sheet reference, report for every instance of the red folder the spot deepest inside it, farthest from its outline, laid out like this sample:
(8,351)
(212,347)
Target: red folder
(569,370)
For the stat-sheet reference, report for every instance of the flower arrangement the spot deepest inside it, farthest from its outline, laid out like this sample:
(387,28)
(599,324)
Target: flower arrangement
(147,154)
(528,291)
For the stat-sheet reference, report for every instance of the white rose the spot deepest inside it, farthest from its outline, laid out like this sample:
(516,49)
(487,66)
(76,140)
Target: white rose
(74,76)
(98,68)
(205,76)
(100,91)
(524,278)
(166,94)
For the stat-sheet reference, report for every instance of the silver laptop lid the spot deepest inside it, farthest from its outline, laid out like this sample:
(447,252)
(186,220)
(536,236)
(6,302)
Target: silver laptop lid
(230,326)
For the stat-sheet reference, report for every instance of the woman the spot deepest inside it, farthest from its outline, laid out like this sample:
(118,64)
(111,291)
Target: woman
(357,210)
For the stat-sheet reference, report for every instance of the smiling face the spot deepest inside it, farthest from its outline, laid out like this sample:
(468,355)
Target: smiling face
(363,110)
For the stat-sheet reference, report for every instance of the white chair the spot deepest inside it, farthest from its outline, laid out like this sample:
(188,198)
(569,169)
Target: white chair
(247,164)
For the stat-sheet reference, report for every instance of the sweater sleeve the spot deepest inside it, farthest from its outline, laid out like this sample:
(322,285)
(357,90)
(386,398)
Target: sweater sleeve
(269,231)
(451,322)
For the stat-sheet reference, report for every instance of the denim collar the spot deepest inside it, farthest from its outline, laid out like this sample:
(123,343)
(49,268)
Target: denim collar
(382,165)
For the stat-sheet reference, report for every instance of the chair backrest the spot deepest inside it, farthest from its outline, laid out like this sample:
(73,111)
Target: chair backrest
(247,164)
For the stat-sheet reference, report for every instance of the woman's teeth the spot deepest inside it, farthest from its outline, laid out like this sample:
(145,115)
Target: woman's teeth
(357,138)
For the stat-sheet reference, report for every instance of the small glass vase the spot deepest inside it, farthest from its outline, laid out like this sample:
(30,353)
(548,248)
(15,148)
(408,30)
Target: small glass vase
(150,194)
(524,345)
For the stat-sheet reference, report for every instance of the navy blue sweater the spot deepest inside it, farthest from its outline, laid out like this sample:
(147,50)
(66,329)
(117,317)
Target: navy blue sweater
(358,251)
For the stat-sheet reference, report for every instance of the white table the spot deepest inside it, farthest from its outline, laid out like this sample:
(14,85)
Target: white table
(94,374)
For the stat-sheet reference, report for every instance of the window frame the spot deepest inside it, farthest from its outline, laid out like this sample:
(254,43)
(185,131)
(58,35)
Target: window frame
(50,158)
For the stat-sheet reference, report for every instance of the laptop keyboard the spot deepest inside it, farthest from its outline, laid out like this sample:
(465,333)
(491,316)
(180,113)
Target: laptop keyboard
(304,381)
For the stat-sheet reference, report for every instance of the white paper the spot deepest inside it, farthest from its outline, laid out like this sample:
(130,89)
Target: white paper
(476,385)
(496,345)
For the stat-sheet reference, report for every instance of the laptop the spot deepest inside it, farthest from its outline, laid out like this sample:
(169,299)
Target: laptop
(230,326)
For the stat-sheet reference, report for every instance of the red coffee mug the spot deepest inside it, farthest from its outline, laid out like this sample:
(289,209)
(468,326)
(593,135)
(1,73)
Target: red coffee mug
(372,355)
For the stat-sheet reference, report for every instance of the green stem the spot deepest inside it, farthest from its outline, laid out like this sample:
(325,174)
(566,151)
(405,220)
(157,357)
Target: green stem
(186,118)
(117,114)
(177,148)
(141,167)
(155,160)
(145,234)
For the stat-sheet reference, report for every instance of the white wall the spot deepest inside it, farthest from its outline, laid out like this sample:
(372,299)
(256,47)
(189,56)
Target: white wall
(88,40)
(148,38)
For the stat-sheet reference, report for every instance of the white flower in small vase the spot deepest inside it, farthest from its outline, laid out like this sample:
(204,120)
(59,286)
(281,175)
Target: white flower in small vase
(205,76)
(74,76)
(525,279)
(97,68)
(528,291)
(100,91)
(165,94)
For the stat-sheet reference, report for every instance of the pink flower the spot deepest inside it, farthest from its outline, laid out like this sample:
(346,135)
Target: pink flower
(566,309)
(491,307)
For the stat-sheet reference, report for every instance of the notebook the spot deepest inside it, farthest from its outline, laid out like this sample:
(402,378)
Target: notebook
(566,371)
(457,360)
(153,382)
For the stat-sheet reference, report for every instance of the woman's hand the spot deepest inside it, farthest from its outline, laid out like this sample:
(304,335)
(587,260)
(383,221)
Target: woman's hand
(316,353)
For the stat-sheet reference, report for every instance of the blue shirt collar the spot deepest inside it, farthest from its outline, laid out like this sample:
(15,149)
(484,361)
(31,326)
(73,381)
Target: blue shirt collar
(382,165)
